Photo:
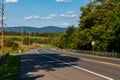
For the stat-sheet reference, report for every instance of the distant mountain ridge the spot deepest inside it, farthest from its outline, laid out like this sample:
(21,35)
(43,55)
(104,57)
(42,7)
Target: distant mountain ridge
(49,29)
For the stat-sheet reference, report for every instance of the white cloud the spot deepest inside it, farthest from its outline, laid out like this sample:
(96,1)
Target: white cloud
(51,16)
(65,24)
(70,14)
(36,17)
(48,17)
(28,17)
(63,0)
(31,17)
(11,1)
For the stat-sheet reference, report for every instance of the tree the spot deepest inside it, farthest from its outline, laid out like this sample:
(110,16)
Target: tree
(102,18)
(99,22)
(70,30)
(61,41)
(64,40)
(81,39)
(15,46)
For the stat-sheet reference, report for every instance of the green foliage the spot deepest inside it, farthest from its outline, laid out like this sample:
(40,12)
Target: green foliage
(11,43)
(101,18)
(15,46)
(27,41)
(61,41)
(8,42)
(10,68)
(65,39)
(99,22)
(81,39)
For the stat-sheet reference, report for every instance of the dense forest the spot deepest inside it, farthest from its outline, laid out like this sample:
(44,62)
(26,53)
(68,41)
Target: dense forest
(99,22)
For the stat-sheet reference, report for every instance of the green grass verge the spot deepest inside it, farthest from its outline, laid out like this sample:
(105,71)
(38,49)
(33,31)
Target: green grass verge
(10,68)
(48,46)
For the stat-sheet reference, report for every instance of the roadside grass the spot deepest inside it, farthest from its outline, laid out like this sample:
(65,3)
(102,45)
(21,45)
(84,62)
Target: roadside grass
(10,68)
(48,46)
(26,47)
(18,40)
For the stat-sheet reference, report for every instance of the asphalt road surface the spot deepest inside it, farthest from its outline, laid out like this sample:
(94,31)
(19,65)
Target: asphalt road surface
(47,64)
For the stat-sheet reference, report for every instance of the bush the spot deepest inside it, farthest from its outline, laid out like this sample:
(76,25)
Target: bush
(8,43)
(26,41)
(15,46)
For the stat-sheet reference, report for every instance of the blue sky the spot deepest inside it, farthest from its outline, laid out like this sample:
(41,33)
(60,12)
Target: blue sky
(40,13)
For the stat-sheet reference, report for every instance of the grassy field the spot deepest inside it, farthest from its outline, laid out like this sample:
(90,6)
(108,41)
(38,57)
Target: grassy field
(18,40)
(20,37)
(37,41)
(10,68)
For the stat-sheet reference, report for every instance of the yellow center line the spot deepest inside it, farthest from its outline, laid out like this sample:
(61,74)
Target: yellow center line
(108,63)
(102,62)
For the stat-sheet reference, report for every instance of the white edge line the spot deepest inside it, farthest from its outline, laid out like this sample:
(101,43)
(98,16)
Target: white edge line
(77,67)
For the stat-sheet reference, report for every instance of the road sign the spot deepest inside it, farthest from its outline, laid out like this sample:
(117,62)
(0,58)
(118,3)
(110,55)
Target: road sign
(93,43)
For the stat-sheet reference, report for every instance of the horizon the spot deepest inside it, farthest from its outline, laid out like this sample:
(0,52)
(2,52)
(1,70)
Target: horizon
(48,29)
(35,27)
(39,26)
(41,13)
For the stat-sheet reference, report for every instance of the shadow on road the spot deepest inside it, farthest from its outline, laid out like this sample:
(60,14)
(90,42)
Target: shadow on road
(32,64)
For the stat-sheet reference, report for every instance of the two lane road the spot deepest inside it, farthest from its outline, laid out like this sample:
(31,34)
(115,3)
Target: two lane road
(44,64)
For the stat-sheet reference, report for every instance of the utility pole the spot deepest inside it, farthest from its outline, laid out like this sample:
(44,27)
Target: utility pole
(2,45)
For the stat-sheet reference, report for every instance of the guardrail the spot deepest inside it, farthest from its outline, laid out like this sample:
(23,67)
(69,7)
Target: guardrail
(112,54)
(3,56)
(109,54)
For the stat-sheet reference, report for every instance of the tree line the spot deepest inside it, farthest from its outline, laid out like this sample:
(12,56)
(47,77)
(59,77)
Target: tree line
(99,22)
(37,34)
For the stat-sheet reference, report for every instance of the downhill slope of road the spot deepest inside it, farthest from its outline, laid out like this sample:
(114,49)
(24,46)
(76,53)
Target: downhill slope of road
(45,64)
